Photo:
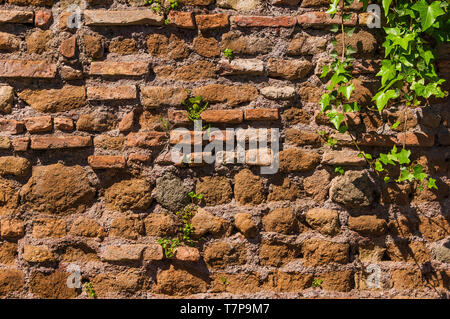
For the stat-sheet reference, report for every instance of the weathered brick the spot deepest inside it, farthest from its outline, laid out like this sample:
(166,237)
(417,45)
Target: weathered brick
(207,47)
(261,114)
(49,228)
(129,17)
(108,68)
(233,95)
(20,144)
(181,19)
(241,67)
(306,45)
(289,69)
(27,69)
(298,160)
(264,21)
(154,96)
(377,140)
(137,157)
(242,44)
(416,139)
(97,121)
(15,16)
(321,18)
(87,228)
(8,252)
(12,228)
(12,165)
(42,18)
(11,126)
(9,42)
(126,92)
(186,253)
(191,72)
(146,139)
(39,124)
(106,161)
(5,143)
(68,47)
(301,137)
(37,254)
(178,117)
(126,123)
(55,100)
(63,123)
(344,157)
(321,252)
(164,47)
(123,253)
(57,142)
(211,21)
(286,2)
(222,116)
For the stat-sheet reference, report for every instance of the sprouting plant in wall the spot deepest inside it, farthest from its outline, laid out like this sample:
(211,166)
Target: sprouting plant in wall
(195,197)
(339,169)
(317,283)
(164,124)
(169,246)
(195,107)
(224,281)
(186,228)
(89,288)
(228,53)
(161,6)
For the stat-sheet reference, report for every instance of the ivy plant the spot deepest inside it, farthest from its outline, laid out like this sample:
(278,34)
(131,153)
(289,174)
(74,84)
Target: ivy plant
(408,76)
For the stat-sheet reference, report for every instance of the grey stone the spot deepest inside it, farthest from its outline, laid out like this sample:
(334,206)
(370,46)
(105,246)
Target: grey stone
(443,253)
(171,192)
(354,189)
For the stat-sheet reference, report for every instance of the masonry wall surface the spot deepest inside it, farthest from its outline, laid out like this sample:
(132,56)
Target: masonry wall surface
(87,114)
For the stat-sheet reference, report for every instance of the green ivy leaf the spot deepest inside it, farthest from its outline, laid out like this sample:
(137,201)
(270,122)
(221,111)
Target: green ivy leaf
(386,5)
(418,174)
(387,179)
(431,183)
(395,125)
(325,70)
(347,90)
(334,28)
(387,71)
(405,175)
(333,8)
(382,98)
(403,156)
(336,118)
(428,13)
(378,166)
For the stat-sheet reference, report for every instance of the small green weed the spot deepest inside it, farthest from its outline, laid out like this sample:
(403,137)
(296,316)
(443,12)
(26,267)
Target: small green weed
(339,169)
(195,107)
(228,53)
(224,281)
(89,288)
(317,283)
(169,246)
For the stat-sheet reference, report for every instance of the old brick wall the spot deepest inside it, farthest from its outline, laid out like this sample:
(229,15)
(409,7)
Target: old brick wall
(86,178)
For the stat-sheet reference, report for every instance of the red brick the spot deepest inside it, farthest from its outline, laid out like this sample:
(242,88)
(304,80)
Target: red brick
(39,124)
(264,21)
(178,117)
(68,47)
(126,92)
(42,18)
(63,123)
(322,18)
(222,116)
(416,139)
(138,157)
(126,124)
(57,142)
(106,161)
(11,126)
(193,137)
(146,139)
(27,69)
(261,114)
(377,140)
(108,68)
(181,19)
(20,144)
(211,21)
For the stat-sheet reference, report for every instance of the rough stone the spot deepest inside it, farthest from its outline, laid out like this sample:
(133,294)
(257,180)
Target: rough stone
(353,189)
(245,224)
(171,192)
(128,195)
(55,100)
(321,252)
(325,221)
(205,223)
(248,188)
(222,254)
(367,225)
(215,190)
(298,160)
(58,189)
(280,220)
